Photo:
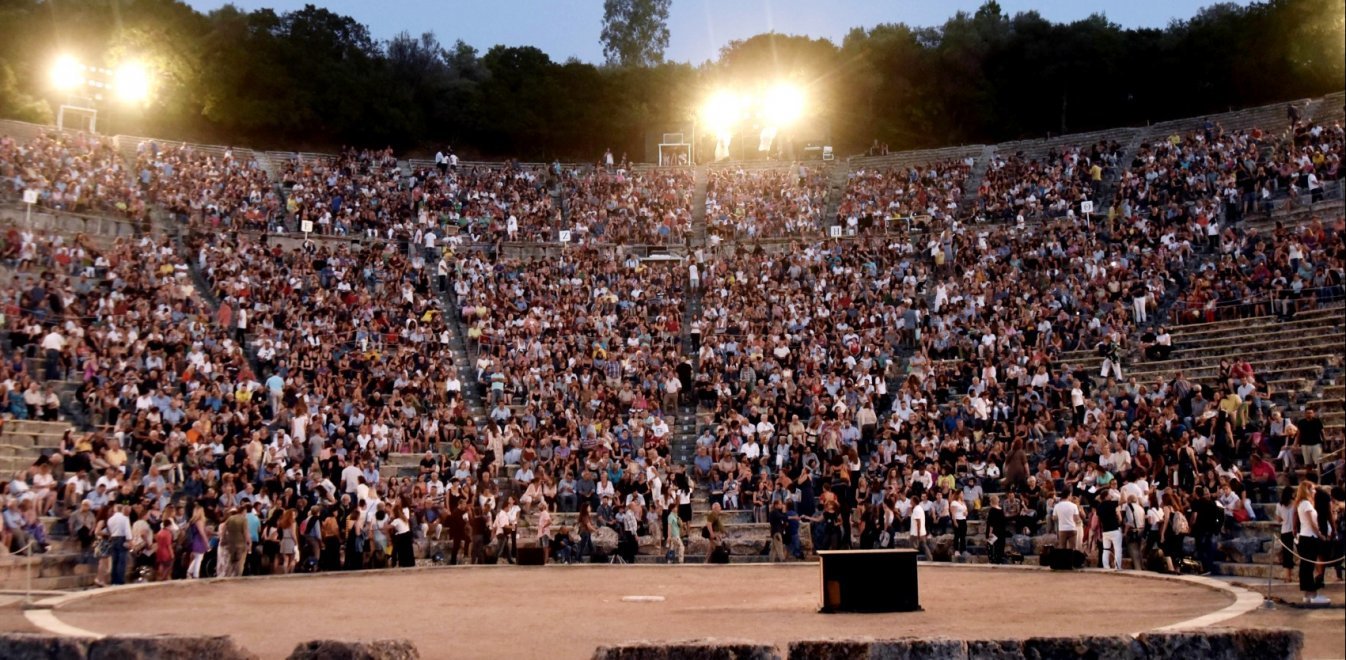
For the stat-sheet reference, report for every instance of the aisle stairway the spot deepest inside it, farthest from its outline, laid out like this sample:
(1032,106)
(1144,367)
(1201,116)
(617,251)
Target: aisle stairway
(63,566)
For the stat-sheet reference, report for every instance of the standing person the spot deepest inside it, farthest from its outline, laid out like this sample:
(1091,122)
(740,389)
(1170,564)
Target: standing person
(119,536)
(958,514)
(544,529)
(780,523)
(163,552)
(1109,520)
(1310,537)
(356,540)
(331,542)
(997,528)
(1285,515)
(1310,439)
(585,525)
(503,527)
(673,538)
(288,533)
(198,541)
(238,542)
(920,531)
(1133,530)
(402,538)
(481,530)
(458,532)
(1066,513)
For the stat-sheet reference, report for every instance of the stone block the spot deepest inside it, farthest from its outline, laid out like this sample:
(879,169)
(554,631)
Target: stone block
(913,648)
(329,649)
(708,649)
(996,649)
(1022,543)
(831,649)
(1082,648)
(1205,644)
(28,646)
(1269,643)
(157,647)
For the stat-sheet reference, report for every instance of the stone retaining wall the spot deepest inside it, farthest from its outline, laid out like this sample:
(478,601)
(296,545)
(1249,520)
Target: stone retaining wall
(1213,644)
(24,646)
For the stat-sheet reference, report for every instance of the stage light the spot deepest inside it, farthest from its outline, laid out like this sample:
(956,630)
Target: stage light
(783,105)
(722,112)
(132,82)
(67,73)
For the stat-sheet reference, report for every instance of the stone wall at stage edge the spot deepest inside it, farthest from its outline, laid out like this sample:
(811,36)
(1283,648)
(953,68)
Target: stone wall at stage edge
(1211,644)
(25,646)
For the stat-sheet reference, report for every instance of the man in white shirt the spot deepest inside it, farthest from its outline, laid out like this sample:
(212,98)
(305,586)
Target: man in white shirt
(453,388)
(350,478)
(119,536)
(920,532)
(1068,523)
(54,344)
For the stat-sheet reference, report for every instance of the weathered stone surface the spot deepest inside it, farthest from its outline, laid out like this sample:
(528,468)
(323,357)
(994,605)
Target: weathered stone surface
(995,649)
(1269,643)
(832,649)
(1206,644)
(28,646)
(157,647)
(1093,648)
(912,648)
(329,649)
(1241,549)
(605,539)
(708,649)
(1022,544)
(1042,541)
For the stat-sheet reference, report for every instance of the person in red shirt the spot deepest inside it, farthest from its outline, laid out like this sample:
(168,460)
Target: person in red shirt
(163,553)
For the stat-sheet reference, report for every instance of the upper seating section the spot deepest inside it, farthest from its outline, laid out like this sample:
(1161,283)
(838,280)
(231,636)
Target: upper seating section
(629,206)
(747,203)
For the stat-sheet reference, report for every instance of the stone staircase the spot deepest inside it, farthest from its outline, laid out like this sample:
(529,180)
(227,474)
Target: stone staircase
(838,177)
(1300,359)
(700,181)
(462,359)
(63,566)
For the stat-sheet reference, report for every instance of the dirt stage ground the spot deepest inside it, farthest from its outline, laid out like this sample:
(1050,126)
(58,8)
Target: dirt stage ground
(566,612)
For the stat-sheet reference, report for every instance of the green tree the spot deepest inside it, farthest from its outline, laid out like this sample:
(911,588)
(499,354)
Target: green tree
(635,32)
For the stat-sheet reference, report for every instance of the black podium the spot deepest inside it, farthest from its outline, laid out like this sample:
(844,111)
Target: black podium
(869,581)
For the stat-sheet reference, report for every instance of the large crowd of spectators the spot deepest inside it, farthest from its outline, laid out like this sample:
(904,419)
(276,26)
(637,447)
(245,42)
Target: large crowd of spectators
(220,191)
(875,388)
(748,204)
(75,172)
(1025,187)
(881,198)
(627,206)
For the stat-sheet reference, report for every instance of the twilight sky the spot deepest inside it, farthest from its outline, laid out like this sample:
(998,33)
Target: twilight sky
(698,28)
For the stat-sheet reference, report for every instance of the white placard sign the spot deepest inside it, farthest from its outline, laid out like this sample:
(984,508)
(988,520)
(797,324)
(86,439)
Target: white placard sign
(565,235)
(1086,207)
(834,231)
(306,226)
(30,196)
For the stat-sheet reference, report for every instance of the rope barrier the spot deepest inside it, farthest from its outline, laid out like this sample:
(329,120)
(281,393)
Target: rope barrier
(1301,558)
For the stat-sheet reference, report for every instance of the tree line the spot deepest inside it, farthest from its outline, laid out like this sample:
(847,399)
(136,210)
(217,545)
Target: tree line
(315,79)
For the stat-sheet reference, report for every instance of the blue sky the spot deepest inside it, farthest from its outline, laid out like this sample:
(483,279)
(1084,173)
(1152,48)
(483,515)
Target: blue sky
(698,28)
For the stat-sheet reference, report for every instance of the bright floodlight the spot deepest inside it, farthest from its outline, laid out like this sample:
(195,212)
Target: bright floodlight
(783,105)
(132,82)
(67,73)
(722,112)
